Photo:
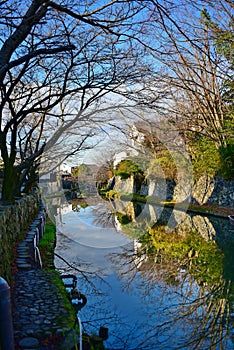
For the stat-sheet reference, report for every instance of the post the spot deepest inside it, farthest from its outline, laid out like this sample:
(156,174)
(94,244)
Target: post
(6,325)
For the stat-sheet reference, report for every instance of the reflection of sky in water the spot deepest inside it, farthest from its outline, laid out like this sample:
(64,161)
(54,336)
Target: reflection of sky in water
(140,312)
(132,313)
(120,311)
(84,229)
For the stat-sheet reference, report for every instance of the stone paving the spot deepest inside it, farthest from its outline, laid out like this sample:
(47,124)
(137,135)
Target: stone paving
(40,316)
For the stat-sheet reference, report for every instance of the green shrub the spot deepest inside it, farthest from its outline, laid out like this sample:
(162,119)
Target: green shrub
(124,219)
(126,168)
(210,160)
(163,166)
(205,157)
(227,159)
(112,194)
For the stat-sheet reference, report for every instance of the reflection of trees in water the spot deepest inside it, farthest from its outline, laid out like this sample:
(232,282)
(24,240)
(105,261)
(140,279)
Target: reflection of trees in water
(214,323)
(102,312)
(77,268)
(99,310)
(194,309)
(191,269)
(204,311)
(100,306)
(88,283)
(103,215)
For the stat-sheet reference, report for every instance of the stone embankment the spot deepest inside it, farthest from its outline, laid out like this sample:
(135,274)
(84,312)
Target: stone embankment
(217,191)
(14,221)
(204,191)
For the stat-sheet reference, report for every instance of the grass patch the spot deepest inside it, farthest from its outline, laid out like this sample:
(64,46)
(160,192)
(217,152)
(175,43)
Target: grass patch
(47,244)
(64,295)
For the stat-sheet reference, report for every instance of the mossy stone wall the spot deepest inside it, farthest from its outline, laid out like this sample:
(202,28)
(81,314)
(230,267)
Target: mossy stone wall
(14,220)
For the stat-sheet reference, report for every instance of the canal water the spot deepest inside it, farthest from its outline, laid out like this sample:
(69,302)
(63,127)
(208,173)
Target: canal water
(153,284)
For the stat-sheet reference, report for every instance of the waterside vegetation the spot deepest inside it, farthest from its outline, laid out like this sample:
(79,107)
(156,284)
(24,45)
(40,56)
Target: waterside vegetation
(46,246)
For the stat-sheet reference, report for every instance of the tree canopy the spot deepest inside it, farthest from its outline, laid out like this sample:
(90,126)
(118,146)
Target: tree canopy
(60,61)
(57,59)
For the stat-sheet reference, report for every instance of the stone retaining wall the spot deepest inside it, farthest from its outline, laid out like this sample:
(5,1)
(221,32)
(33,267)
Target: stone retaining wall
(14,220)
(205,191)
(214,191)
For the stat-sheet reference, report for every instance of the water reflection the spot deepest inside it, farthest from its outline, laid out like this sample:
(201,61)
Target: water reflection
(157,288)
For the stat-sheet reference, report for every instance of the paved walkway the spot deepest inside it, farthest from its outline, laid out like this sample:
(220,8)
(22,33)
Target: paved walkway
(41,318)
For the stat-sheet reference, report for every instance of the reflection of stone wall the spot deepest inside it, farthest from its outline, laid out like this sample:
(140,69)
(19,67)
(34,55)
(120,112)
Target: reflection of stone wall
(125,207)
(189,223)
(14,219)
(124,185)
(1,181)
(204,227)
(182,222)
(158,188)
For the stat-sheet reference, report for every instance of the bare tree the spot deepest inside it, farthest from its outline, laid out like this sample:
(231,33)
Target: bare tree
(60,51)
(56,54)
(197,71)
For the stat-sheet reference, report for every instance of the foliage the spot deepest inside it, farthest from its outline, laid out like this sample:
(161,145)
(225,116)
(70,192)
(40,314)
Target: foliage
(126,168)
(205,156)
(223,37)
(162,167)
(223,41)
(201,258)
(75,171)
(82,170)
(46,245)
(124,219)
(227,158)
(210,160)
(112,194)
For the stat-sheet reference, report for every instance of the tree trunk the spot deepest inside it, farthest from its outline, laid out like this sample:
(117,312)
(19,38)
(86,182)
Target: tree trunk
(9,183)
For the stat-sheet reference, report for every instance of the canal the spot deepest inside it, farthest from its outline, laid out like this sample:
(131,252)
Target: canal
(157,278)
